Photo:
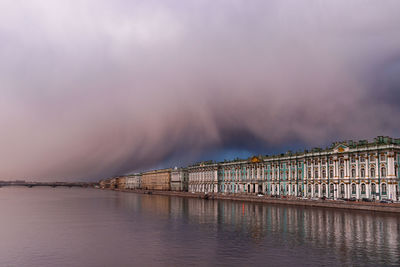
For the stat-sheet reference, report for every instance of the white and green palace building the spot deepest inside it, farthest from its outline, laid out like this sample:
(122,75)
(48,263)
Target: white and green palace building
(345,170)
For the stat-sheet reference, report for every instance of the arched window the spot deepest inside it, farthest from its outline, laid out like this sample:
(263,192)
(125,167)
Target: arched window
(323,188)
(384,189)
(362,173)
(323,173)
(341,173)
(316,189)
(383,172)
(293,188)
(342,189)
(353,173)
(362,188)
(316,174)
(372,172)
(373,189)
(331,173)
(332,188)
(309,188)
(353,189)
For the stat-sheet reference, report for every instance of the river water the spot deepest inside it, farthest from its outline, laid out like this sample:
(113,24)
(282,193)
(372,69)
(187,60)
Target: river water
(89,227)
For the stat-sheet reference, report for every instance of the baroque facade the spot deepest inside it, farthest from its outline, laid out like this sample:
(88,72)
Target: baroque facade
(204,178)
(179,179)
(345,170)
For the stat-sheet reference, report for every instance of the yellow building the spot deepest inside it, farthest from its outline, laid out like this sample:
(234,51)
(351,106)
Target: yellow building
(157,180)
(120,182)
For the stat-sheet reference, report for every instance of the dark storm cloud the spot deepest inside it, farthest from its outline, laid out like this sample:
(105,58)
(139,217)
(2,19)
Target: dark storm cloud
(94,88)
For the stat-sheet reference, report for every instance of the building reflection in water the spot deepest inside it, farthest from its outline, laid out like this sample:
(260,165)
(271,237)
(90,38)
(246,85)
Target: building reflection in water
(349,236)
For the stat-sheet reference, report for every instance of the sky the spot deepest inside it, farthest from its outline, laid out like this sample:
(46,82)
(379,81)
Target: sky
(95,88)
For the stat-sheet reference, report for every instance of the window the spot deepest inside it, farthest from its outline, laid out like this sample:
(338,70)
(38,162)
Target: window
(362,159)
(324,189)
(342,189)
(372,158)
(309,174)
(362,173)
(316,189)
(353,173)
(323,173)
(299,164)
(341,173)
(331,173)
(372,172)
(383,189)
(330,161)
(316,174)
(293,188)
(341,161)
(373,189)
(353,159)
(383,172)
(396,171)
(383,158)
(353,189)
(362,188)
(309,188)
(332,188)
(316,162)
(323,161)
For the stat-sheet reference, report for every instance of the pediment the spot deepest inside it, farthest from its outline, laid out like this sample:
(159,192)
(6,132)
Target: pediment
(255,160)
(341,148)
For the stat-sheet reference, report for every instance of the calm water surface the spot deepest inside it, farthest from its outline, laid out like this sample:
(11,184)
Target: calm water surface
(88,227)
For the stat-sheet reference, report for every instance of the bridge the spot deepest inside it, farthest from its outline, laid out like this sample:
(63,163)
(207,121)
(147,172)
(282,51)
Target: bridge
(51,184)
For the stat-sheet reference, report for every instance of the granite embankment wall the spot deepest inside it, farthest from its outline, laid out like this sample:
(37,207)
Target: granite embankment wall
(367,206)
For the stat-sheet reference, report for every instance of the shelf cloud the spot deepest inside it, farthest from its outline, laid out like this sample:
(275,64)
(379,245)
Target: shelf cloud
(95,88)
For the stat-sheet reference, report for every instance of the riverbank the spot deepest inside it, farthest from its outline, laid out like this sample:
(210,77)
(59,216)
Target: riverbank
(337,204)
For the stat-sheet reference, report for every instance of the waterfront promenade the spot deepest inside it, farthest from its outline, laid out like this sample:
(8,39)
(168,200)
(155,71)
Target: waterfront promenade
(336,204)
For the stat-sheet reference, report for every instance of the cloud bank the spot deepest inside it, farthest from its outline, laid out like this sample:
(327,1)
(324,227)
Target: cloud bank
(97,88)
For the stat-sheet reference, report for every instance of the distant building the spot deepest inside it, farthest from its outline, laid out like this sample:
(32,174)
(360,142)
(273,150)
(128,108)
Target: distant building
(179,179)
(106,183)
(133,181)
(345,170)
(157,180)
(120,182)
(203,178)
(102,184)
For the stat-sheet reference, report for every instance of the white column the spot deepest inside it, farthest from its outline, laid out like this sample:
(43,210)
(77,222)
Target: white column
(358,191)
